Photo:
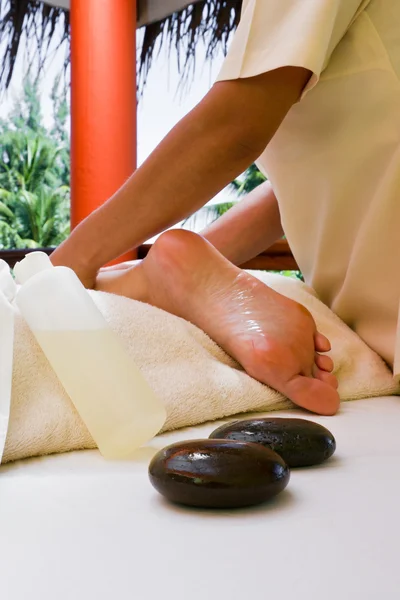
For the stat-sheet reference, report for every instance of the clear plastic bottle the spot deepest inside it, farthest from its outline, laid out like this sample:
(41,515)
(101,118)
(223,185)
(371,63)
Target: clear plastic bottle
(7,293)
(111,395)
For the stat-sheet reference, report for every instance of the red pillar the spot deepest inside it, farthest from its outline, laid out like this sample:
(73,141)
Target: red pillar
(103,101)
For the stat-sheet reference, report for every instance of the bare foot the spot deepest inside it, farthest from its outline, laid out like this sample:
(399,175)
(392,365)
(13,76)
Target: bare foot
(126,279)
(271,336)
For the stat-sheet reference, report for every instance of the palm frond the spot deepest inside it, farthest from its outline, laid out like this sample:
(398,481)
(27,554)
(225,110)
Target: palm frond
(250,179)
(30,24)
(207,21)
(206,215)
(5,211)
(33,25)
(9,238)
(5,194)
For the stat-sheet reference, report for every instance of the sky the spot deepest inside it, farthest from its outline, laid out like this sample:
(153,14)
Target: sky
(153,123)
(163,82)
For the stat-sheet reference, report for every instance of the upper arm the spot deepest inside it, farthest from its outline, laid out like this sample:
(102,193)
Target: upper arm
(281,33)
(256,106)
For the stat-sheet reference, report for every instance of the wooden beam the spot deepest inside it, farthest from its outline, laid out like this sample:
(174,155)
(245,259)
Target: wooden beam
(276,258)
(13,256)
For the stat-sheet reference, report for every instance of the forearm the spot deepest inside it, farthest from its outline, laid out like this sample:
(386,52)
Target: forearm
(216,142)
(248,228)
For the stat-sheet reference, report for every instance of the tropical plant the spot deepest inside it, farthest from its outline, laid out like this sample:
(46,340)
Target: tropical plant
(250,179)
(59,131)
(241,186)
(292,274)
(27,161)
(36,220)
(206,215)
(34,176)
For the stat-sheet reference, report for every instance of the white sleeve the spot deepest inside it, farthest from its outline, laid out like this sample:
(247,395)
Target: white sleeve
(298,33)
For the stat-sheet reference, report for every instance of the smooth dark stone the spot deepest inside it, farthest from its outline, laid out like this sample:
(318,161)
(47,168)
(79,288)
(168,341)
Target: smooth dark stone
(301,443)
(218,473)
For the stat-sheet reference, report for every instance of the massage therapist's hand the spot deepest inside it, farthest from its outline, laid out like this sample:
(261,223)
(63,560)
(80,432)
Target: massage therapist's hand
(64,257)
(90,277)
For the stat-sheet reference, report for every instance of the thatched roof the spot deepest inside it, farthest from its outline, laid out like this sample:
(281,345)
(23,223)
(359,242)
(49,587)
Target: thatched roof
(211,20)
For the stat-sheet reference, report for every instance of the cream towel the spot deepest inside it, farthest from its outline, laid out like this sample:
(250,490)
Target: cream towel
(196,380)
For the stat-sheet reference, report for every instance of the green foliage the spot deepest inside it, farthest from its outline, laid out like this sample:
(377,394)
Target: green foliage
(242,186)
(292,274)
(34,174)
(27,113)
(251,179)
(206,215)
(59,131)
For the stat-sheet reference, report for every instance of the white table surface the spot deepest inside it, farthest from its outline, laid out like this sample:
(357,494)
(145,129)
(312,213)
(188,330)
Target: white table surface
(77,527)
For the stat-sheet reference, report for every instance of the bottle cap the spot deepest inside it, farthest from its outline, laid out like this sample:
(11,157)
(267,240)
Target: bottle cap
(7,284)
(33,263)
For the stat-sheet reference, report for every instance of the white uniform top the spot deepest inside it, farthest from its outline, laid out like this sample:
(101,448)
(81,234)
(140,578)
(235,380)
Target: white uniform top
(335,162)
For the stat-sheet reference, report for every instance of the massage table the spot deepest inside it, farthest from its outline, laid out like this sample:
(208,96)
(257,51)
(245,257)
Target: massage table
(74,526)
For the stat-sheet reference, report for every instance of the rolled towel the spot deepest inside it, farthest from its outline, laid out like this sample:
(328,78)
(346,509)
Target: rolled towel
(194,377)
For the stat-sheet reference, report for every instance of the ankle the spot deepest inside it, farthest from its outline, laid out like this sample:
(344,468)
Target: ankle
(136,283)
